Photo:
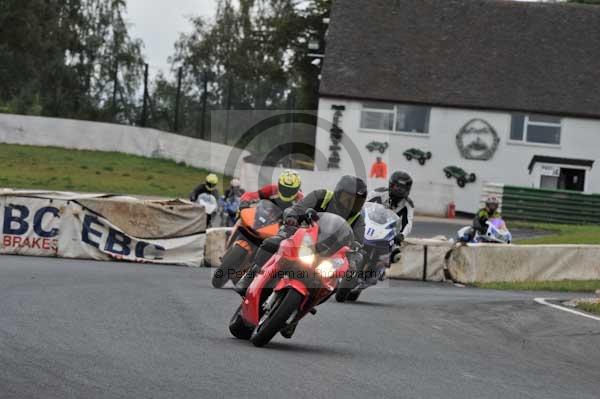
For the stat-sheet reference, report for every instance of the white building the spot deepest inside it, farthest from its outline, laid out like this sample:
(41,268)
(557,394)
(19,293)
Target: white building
(507,91)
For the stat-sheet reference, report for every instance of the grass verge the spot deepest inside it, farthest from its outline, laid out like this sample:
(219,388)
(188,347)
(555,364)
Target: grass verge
(561,234)
(560,286)
(589,307)
(52,168)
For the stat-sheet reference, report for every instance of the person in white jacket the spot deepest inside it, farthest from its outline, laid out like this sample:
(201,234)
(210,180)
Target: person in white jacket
(396,197)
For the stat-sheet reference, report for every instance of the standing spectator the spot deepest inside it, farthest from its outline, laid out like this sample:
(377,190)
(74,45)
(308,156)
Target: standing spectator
(209,187)
(235,189)
(379,169)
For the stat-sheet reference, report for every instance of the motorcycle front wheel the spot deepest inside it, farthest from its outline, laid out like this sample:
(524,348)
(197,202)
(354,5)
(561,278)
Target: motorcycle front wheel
(287,304)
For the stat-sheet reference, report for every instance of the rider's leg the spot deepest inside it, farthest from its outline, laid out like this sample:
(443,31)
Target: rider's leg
(263,254)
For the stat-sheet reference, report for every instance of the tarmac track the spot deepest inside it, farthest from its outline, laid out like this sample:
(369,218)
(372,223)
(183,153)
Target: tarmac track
(81,329)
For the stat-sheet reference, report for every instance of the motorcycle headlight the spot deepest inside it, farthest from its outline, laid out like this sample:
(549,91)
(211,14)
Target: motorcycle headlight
(326,269)
(306,255)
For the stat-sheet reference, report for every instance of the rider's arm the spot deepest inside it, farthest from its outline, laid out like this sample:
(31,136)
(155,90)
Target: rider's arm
(358,227)
(410,214)
(375,196)
(250,196)
(197,191)
(311,201)
(479,221)
(268,191)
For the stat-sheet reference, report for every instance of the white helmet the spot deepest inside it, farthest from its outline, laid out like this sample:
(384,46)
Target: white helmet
(235,182)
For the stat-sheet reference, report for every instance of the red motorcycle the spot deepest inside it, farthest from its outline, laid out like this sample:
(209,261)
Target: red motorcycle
(301,275)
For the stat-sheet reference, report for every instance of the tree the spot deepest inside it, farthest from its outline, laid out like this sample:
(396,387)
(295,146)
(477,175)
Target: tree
(59,58)
(256,54)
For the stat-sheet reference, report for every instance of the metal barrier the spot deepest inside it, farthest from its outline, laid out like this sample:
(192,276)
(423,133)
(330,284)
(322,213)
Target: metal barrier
(550,206)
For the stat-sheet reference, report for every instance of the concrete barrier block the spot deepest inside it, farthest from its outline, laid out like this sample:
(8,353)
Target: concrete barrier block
(216,241)
(497,263)
(421,260)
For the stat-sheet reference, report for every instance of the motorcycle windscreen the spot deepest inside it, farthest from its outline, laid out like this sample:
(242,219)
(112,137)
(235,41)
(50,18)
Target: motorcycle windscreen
(334,234)
(379,214)
(497,230)
(266,218)
(499,224)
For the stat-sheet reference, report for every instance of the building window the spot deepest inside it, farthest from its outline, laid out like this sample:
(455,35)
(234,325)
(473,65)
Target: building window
(395,118)
(535,129)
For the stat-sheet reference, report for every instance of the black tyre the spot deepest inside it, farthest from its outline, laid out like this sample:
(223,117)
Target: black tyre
(408,157)
(422,161)
(382,149)
(472,177)
(232,262)
(288,302)
(353,296)
(238,328)
(346,285)
(461,182)
(448,175)
(428,155)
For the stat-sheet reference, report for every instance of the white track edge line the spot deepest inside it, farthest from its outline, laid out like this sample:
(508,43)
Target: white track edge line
(543,301)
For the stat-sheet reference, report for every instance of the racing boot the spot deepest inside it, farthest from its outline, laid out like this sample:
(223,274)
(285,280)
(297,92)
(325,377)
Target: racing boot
(242,286)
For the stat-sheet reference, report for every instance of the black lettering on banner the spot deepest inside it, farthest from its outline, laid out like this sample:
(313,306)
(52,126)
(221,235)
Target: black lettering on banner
(87,229)
(141,247)
(117,243)
(10,218)
(38,220)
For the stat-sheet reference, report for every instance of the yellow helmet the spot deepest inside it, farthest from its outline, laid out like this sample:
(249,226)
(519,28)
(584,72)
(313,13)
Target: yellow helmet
(212,180)
(289,185)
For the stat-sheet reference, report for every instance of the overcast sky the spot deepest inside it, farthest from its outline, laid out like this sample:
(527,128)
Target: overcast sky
(159,23)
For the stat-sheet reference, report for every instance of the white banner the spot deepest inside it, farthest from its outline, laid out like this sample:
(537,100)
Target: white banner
(64,228)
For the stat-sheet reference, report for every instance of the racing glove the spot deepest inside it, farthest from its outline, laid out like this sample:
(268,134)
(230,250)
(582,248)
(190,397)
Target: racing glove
(399,239)
(394,256)
(291,221)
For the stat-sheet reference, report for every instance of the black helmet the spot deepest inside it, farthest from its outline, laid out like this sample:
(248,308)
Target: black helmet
(350,195)
(400,186)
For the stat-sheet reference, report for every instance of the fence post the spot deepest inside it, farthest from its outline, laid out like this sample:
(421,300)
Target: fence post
(177,100)
(115,89)
(144,118)
(204,100)
(425,261)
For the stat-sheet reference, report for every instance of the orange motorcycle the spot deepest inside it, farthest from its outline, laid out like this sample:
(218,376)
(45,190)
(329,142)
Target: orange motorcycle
(254,225)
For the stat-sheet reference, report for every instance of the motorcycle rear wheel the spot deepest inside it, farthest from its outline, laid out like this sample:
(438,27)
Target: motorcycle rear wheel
(278,316)
(238,328)
(233,260)
(353,296)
